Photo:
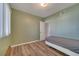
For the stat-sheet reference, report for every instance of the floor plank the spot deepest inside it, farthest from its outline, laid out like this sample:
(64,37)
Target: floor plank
(33,49)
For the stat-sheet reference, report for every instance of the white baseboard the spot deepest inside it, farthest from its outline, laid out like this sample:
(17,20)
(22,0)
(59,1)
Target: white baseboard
(25,43)
(62,49)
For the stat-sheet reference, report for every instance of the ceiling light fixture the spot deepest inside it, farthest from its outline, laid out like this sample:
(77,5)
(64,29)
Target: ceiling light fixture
(44,4)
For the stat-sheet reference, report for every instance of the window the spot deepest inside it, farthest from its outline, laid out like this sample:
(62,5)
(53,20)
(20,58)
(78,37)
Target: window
(5,15)
(1,19)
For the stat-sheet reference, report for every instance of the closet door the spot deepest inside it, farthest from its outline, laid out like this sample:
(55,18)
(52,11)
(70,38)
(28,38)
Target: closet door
(42,30)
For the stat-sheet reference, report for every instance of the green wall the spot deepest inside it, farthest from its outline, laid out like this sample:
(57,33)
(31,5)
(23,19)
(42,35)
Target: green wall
(4,44)
(25,27)
(65,23)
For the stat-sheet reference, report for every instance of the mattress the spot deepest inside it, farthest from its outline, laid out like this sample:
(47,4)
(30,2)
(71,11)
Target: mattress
(70,44)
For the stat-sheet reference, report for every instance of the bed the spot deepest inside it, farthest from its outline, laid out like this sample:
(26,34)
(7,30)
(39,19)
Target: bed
(65,45)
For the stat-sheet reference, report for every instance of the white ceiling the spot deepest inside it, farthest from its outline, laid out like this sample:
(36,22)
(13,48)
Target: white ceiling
(36,9)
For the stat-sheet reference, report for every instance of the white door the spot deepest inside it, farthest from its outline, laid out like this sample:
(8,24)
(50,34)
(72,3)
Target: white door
(42,30)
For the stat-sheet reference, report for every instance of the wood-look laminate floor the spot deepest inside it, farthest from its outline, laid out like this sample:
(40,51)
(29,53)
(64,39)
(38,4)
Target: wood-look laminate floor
(33,49)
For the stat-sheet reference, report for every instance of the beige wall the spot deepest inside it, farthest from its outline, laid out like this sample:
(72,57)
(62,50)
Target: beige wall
(25,27)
